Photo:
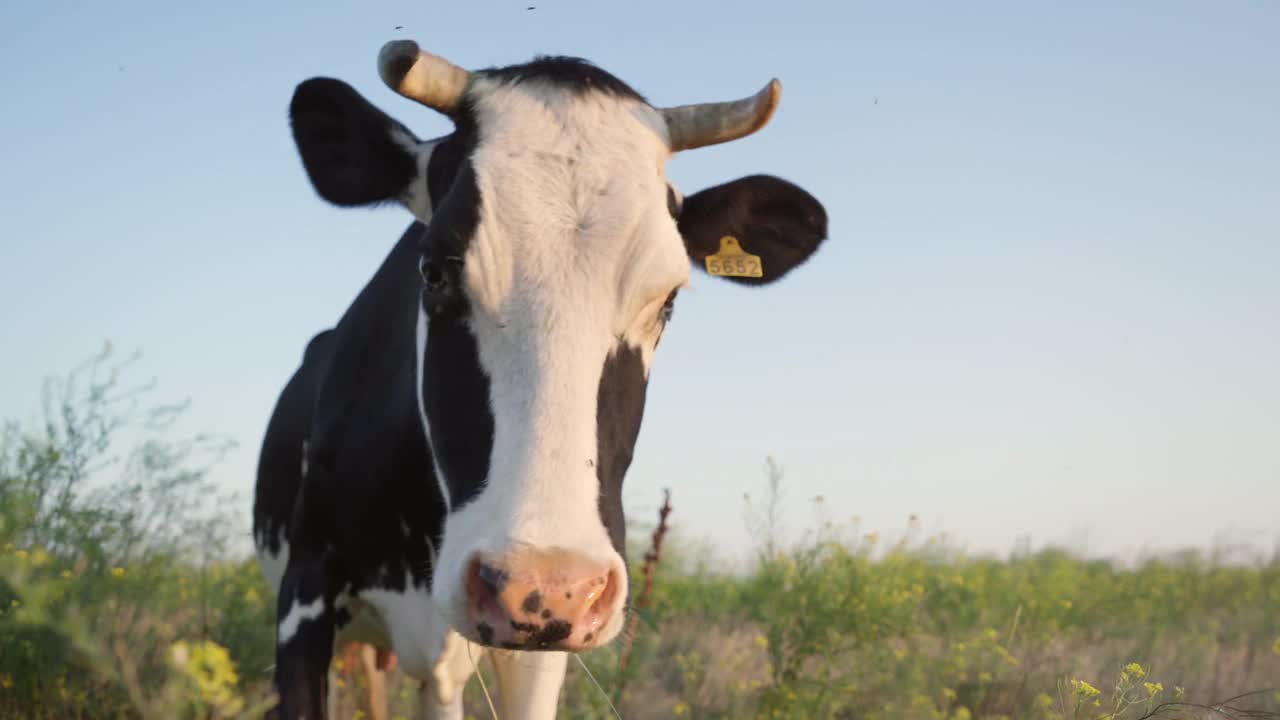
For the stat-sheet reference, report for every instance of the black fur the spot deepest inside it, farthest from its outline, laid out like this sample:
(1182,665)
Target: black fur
(771,218)
(280,458)
(619,410)
(345,144)
(301,672)
(570,73)
(455,388)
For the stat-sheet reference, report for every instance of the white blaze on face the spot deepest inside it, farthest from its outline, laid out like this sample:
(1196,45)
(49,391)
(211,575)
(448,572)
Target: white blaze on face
(575,252)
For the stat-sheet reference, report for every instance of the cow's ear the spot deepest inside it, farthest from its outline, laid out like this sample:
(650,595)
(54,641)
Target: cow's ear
(771,218)
(354,153)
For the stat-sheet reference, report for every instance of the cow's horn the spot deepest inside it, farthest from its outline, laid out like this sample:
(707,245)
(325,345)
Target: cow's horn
(421,76)
(695,126)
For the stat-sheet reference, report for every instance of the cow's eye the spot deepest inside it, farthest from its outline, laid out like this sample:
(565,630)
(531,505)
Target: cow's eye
(669,306)
(437,290)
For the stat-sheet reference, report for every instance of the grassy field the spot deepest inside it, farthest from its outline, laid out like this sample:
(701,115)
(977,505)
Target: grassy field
(122,594)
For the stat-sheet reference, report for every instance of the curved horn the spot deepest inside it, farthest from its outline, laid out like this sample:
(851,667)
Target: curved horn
(421,76)
(695,126)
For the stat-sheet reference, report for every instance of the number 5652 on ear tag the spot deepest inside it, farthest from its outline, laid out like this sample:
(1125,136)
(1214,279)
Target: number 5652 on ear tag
(733,261)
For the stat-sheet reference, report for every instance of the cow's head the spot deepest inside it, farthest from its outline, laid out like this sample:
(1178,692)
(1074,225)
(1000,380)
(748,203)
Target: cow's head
(553,252)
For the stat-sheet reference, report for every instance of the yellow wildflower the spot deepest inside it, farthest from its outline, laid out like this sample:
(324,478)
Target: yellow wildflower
(1080,687)
(1153,688)
(66,574)
(1276,647)
(680,708)
(1133,670)
(6,682)
(1066,604)
(984,676)
(762,641)
(21,554)
(117,572)
(208,665)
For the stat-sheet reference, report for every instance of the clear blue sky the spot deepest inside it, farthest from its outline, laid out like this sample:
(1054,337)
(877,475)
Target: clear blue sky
(1050,305)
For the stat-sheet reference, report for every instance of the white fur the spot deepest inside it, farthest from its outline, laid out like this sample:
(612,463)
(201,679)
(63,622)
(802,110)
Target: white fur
(298,614)
(575,249)
(415,197)
(422,410)
(416,630)
(528,683)
(272,564)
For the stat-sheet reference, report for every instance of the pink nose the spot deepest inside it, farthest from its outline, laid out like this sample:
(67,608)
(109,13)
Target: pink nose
(539,600)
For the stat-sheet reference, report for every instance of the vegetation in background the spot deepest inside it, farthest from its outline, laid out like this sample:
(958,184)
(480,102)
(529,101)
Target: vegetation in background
(126,591)
(120,595)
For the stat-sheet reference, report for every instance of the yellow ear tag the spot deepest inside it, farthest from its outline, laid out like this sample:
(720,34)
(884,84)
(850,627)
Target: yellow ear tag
(733,261)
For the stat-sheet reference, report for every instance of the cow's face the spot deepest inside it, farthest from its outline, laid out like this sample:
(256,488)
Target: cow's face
(553,253)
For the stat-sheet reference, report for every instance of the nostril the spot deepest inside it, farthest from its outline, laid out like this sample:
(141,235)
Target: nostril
(606,593)
(493,579)
(485,583)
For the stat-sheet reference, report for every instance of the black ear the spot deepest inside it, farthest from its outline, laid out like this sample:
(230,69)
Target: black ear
(770,217)
(354,153)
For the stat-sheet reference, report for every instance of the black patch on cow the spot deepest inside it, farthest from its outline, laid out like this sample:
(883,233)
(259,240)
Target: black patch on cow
(369,510)
(532,602)
(523,627)
(449,155)
(552,633)
(280,457)
(301,661)
(570,73)
(587,637)
(345,144)
(772,218)
(455,392)
(455,388)
(619,411)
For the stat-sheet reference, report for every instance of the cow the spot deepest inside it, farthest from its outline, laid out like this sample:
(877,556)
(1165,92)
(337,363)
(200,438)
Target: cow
(442,474)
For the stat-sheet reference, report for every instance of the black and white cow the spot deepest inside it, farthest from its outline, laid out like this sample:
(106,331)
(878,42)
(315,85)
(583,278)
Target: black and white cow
(443,474)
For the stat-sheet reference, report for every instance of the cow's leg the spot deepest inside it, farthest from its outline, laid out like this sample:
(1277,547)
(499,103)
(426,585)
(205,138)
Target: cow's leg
(440,697)
(528,683)
(376,681)
(304,639)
